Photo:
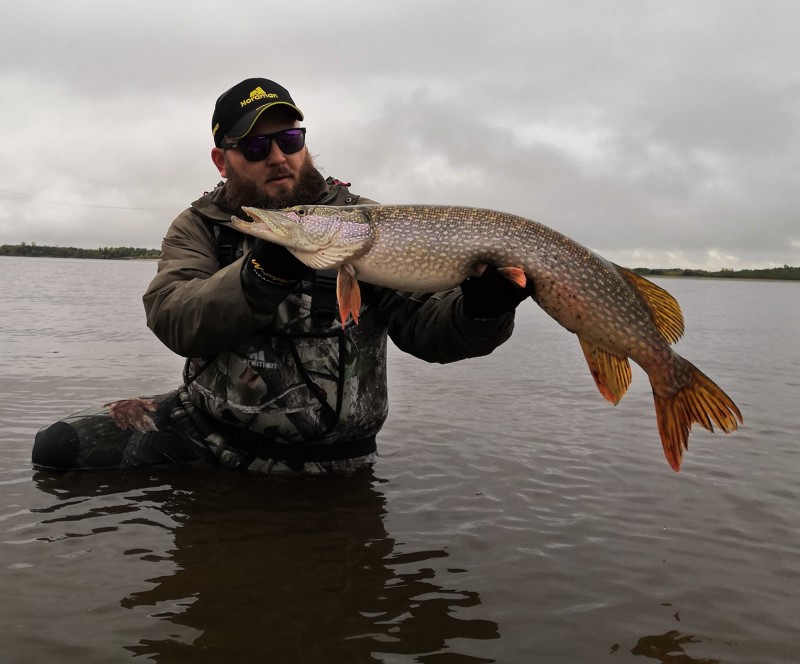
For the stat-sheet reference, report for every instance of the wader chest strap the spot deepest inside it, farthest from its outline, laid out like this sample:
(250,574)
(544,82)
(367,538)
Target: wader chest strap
(323,300)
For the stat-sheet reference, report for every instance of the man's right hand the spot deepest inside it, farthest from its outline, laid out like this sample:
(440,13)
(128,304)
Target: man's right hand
(273,265)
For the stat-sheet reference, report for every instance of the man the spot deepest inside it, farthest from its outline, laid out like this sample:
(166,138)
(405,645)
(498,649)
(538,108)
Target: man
(273,381)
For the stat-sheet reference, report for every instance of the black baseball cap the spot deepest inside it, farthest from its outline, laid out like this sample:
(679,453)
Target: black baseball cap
(237,109)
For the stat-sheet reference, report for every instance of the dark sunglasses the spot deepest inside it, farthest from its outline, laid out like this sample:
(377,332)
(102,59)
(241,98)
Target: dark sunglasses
(257,148)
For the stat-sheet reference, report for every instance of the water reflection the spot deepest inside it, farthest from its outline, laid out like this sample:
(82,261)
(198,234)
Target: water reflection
(668,648)
(284,570)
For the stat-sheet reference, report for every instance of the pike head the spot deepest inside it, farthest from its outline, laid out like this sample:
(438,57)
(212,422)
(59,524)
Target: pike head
(320,236)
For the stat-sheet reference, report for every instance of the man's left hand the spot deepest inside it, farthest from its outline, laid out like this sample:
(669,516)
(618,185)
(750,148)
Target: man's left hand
(492,295)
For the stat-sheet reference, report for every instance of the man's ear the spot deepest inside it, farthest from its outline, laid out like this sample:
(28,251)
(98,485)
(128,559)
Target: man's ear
(218,157)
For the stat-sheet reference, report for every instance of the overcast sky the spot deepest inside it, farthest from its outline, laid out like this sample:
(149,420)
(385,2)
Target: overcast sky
(658,133)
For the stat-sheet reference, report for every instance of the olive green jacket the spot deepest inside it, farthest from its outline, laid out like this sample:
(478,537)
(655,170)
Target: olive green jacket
(262,362)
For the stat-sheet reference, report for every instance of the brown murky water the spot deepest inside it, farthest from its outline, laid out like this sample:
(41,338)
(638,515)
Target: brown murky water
(513,517)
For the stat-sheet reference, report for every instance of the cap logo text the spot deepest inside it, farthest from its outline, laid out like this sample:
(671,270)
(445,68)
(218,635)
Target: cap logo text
(257,94)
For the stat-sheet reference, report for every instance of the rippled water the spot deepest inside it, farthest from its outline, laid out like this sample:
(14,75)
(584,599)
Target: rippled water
(514,516)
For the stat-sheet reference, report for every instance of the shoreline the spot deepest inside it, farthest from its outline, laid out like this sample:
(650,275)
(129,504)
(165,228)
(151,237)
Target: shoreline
(785,273)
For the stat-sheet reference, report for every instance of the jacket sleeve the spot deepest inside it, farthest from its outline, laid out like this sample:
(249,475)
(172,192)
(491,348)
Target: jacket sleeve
(433,327)
(192,306)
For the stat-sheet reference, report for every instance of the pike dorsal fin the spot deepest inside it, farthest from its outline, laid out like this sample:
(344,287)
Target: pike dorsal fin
(664,308)
(611,373)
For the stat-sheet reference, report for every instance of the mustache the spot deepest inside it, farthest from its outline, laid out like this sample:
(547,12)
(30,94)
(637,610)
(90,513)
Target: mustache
(310,185)
(278,173)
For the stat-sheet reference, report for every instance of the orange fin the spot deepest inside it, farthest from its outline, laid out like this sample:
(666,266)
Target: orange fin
(664,308)
(516,275)
(701,400)
(611,373)
(348,294)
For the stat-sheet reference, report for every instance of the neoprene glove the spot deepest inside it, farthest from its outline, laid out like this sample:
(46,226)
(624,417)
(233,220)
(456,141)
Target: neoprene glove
(492,295)
(272,264)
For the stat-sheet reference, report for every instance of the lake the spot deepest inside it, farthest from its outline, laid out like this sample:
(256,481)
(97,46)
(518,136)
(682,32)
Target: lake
(514,516)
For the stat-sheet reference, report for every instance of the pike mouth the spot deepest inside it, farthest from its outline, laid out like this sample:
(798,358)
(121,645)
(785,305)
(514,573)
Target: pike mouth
(268,221)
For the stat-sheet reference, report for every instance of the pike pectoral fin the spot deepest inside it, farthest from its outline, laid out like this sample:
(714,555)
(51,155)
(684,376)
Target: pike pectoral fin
(611,373)
(348,293)
(701,400)
(515,275)
(324,258)
(664,308)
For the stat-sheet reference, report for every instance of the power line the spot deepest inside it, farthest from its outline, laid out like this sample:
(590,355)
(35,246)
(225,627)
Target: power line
(32,198)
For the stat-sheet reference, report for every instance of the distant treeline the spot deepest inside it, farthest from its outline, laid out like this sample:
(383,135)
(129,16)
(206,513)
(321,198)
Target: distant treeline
(34,249)
(785,272)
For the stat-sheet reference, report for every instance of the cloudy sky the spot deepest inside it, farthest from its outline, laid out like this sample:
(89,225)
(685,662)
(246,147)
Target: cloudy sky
(657,133)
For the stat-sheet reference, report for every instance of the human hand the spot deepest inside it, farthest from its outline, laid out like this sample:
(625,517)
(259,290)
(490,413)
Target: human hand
(269,263)
(492,295)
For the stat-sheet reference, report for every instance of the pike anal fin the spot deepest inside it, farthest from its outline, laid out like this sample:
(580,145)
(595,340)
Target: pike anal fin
(702,401)
(348,293)
(611,373)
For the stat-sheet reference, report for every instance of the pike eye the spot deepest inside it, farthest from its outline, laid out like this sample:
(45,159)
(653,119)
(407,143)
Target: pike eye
(301,212)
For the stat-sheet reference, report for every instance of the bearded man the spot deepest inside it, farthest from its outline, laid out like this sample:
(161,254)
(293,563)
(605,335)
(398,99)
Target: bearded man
(273,382)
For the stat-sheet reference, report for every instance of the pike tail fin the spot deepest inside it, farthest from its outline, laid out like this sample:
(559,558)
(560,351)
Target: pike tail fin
(700,400)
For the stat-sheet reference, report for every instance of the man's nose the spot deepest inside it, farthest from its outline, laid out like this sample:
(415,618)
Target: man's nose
(275,155)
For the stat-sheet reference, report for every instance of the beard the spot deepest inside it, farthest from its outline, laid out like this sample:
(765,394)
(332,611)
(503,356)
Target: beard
(239,191)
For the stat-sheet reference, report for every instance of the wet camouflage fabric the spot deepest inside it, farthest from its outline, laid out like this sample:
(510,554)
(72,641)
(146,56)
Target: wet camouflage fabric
(299,381)
(126,433)
(156,430)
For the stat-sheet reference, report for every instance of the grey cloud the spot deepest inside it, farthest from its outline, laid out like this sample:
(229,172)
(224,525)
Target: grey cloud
(648,130)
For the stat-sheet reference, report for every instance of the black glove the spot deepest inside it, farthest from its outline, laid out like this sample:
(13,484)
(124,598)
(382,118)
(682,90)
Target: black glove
(272,264)
(491,295)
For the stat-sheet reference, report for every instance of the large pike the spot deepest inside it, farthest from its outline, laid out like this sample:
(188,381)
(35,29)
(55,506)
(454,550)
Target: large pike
(615,313)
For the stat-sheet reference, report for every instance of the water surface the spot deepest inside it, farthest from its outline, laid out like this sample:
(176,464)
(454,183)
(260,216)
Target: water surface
(514,516)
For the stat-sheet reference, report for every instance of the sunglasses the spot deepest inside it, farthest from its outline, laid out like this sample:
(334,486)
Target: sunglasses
(257,148)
